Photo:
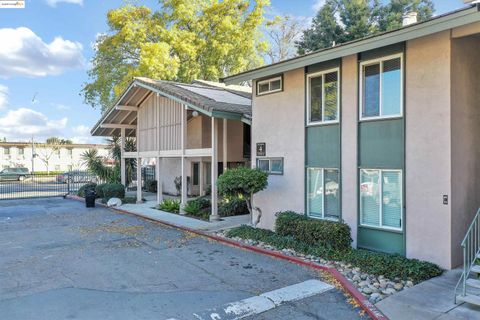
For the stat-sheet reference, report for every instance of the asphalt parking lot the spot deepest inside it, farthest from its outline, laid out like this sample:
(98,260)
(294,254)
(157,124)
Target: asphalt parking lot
(59,260)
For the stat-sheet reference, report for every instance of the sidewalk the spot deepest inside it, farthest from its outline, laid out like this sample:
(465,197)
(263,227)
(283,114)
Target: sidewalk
(432,299)
(147,210)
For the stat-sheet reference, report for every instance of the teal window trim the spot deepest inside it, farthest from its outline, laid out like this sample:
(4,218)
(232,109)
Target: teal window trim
(322,74)
(380,61)
(307,191)
(269,171)
(380,184)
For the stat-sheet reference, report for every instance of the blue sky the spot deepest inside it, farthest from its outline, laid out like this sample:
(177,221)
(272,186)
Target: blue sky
(44,54)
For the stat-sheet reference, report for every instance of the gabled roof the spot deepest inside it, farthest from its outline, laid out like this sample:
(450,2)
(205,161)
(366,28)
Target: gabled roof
(439,23)
(214,101)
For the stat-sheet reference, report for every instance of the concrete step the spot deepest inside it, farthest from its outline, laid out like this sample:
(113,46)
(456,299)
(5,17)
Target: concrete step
(473,283)
(469,298)
(476,269)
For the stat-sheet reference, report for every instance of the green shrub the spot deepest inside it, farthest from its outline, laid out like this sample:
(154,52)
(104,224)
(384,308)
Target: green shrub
(129,200)
(390,266)
(99,190)
(199,207)
(170,205)
(192,207)
(84,188)
(243,183)
(151,186)
(113,190)
(328,234)
(232,207)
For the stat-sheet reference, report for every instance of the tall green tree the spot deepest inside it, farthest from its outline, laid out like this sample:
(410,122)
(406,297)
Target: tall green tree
(339,21)
(182,40)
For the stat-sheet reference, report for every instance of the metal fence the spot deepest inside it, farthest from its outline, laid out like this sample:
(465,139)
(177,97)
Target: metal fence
(43,185)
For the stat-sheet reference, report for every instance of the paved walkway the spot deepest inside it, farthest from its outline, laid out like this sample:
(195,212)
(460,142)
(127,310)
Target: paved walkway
(432,299)
(146,209)
(60,260)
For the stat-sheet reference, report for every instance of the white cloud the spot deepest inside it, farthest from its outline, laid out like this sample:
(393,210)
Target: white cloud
(60,106)
(82,135)
(24,53)
(3,96)
(53,3)
(318,5)
(23,123)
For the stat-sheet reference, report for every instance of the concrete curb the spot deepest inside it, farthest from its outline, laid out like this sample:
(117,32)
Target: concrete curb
(363,302)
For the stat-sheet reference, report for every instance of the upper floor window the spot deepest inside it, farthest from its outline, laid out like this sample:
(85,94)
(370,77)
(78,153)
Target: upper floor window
(381,92)
(269,85)
(6,151)
(323,97)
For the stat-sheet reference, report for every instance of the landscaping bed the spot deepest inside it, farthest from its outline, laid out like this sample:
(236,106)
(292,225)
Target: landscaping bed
(376,275)
(200,208)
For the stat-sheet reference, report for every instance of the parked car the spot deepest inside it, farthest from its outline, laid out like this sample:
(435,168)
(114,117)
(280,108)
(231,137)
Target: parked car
(76,177)
(15,174)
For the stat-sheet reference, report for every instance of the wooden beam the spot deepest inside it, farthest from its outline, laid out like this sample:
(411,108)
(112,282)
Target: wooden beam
(118,126)
(127,108)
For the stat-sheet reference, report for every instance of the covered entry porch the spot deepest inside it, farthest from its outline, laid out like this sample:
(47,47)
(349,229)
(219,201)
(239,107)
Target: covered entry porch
(189,132)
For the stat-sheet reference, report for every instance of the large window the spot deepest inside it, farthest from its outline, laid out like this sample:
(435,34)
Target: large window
(381,88)
(323,193)
(271,165)
(269,85)
(323,97)
(381,200)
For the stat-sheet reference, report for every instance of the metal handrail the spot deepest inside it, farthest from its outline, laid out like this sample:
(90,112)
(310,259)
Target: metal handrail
(471,249)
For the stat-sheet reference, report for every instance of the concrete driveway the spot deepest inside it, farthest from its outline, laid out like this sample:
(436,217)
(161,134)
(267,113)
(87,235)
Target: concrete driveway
(59,260)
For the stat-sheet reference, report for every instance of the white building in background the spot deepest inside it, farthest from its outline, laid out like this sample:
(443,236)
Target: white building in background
(66,158)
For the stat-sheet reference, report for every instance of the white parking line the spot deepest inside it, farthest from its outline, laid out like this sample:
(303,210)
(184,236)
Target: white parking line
(264,302)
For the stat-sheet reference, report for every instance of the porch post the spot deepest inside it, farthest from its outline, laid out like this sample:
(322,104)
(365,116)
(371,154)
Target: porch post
(184,165)
(224,140)
(200,176)
(159,180)
(214,215)
(123,174)
(139,180)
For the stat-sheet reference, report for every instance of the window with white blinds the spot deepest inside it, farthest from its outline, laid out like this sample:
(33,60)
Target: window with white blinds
(323,99)
(381,88)
(381,202)
(323,193)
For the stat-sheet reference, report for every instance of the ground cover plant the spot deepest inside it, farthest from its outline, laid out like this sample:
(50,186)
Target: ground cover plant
(292,235)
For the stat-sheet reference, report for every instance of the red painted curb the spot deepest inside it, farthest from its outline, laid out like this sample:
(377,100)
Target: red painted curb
(364,303)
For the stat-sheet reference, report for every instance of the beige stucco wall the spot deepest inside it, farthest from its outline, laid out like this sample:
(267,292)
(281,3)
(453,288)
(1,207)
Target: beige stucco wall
(428,162)
(465,121)
(279,121)
(349,111)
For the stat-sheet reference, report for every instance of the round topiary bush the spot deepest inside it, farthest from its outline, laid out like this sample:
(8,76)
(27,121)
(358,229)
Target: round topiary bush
(113,190)
(99,190)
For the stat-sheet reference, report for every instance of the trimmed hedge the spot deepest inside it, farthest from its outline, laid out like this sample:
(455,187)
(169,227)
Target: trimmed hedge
(113,190)
(328,234)
(99,190)
(390,266)
(84,188)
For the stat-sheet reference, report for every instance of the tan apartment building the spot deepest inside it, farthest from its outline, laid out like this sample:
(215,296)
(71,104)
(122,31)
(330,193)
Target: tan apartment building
(382,133)
(193,131)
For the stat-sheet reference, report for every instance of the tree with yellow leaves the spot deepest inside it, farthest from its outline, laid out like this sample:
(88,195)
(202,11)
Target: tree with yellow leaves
(183,40)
